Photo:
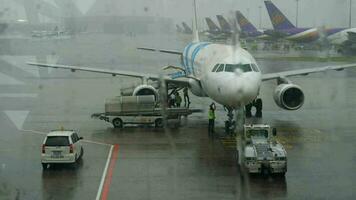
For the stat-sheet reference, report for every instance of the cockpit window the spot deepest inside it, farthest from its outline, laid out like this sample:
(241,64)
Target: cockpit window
(215,67)
(221,68)
(255,68)
(242,67)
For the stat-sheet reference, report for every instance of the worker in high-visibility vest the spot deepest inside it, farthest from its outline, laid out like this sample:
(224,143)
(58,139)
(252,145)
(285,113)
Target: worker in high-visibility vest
(211,117)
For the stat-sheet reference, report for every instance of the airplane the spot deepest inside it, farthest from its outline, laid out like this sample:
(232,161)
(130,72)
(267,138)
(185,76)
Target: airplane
(248,30)
(227,74)
(179,29)
(214,32)
(284,28)
(213,28)
(186,28)
(334,36)
(224,25)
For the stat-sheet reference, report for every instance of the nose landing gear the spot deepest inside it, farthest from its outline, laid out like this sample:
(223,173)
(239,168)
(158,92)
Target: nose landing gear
(230,124)
(257,103)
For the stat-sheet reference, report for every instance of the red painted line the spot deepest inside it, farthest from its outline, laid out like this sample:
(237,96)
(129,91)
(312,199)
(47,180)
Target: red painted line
(108,178)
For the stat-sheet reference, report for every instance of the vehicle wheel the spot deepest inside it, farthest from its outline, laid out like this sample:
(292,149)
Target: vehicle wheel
(259,106)
(81,153)
(283,174)
(237,157)
(44,166)
(248,108)
(73,165)
(159,123)
(227,127)
(117,122)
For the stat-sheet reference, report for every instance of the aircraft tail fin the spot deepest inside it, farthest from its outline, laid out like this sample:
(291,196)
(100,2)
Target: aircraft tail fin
(179,29)
(244,23)
(225,26)
(212,26)
(279,20)
(186,28)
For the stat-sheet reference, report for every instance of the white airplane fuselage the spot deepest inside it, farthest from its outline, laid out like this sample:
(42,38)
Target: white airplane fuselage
(232,89)
(340,37)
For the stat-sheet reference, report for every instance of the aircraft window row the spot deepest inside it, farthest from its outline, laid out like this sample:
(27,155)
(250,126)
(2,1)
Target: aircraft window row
(233,67)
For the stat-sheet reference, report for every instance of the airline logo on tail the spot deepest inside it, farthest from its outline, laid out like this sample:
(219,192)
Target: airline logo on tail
(279,20)
(244,23)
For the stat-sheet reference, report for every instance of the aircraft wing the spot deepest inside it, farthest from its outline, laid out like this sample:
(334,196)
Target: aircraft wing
(161,50)
(154,77)
(304,72)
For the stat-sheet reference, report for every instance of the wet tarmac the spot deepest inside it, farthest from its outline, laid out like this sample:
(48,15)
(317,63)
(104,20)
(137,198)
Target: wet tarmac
(171,163)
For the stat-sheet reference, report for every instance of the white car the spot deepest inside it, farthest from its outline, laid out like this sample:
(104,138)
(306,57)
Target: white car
(61,147)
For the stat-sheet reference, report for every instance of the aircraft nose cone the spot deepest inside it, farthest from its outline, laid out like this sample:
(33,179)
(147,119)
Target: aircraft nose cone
(245,92)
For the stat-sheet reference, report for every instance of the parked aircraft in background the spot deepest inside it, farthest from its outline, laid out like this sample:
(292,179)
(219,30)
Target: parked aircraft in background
(212,27)
(179,29)
(224,25)
(284,28)
(248,30)
(214,32)
(186,28)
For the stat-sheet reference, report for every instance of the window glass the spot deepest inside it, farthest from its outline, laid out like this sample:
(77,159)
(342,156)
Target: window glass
(215,67)
(255,68)
(257,133)
(221,68)
(57,141)
(76,136)
(246,68)
(74,140)
(242,67)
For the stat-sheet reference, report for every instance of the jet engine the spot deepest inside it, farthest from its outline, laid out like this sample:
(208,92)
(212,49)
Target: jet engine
(289,96)
(196,88)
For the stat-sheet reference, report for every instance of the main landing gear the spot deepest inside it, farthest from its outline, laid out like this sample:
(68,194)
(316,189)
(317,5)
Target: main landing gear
(257,103)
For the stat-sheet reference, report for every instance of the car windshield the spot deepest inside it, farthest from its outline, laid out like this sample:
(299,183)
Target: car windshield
(57,141)
(242,67)
(257,133)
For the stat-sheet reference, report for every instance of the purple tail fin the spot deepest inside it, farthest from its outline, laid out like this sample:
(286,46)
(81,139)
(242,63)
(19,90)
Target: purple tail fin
(225,26)
(279,20)
(244,24)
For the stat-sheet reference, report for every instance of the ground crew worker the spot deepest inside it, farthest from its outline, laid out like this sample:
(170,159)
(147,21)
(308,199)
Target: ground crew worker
(186,97)
(211,117)
(173,100)
(178,100)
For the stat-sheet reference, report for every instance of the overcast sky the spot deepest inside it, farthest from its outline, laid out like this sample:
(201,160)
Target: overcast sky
(331,13)
(312,12)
